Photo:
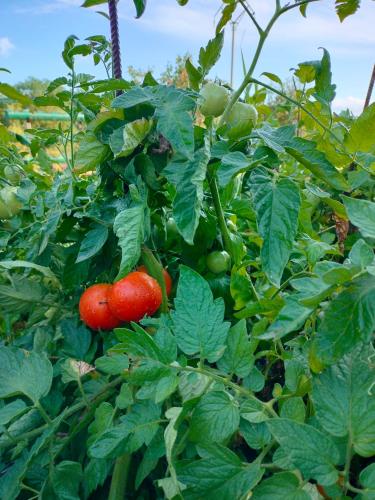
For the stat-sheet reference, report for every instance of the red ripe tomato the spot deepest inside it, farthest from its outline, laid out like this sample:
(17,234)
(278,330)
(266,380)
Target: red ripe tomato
(167,278)
(134,296)
(94,310)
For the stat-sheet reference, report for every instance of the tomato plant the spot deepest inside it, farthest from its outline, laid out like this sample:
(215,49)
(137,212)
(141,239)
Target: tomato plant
(254,382)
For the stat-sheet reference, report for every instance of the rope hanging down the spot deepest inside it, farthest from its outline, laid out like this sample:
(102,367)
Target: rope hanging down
(115,40)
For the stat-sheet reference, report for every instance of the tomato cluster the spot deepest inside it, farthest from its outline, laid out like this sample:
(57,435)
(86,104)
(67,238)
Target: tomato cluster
(104,306)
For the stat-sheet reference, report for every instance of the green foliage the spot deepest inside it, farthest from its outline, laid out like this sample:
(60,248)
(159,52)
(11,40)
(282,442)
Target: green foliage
(254,381)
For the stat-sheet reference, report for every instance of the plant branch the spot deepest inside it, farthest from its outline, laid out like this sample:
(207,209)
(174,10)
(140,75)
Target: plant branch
(290,99)
(295,5)
(69,412)
(228,383)
(227,243)
(252,16)
(120,478)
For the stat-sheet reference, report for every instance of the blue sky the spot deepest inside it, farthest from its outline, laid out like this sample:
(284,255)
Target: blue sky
(32,33)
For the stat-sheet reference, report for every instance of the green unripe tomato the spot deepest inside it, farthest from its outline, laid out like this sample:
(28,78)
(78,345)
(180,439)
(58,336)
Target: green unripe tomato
(9,205)
(171,227)
(213,99)
(241,120)
(218,262)
(12,174)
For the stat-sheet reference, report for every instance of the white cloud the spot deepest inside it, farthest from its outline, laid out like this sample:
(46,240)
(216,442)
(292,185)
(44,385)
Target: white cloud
(5,46)
(355,104)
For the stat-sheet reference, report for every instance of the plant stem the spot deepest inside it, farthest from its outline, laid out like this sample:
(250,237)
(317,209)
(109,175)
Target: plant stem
(43,412)
(228,383)
(263,34)
(120,478)
(155,269)
(227,243)
(348,458)
(297,103)
(81,390)
(72,122)
(69,412)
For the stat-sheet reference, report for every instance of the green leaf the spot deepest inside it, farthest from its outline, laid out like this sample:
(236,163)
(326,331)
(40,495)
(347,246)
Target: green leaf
(306,153)
(194,74)
(361,254)
(138,427)
(345,8)
(13,94)
(125,397)
(281,486)
(289,319)
(65,480)
(95,473)
(308,449)
(215,418)
(170,436)
(226,16)
(76,338)
(15,264)
(25,373)
(348,320)
(324,89)
(92,243)
(367,480)
(257,436)
(253,411)
(273,77)
(174,119)
(133,97)
(150,458)
(343,401)
(361,213)
(91,3)
(21,296)
(139,343)
(124,140)
(231,165)
(103,420)
(197,318)
(294,409)
(188,177)
(91,153)
(129,229)
(277,206)
(210,55)
(361,135)
(219,474)
(11,410)
(140,6)
(114,364)
(238,356)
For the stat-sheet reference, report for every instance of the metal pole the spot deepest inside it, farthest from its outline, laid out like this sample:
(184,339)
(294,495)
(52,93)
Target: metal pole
(115,40)
(233,23)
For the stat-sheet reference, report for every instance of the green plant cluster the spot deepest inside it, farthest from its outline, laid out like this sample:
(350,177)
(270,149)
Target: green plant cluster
(257,379)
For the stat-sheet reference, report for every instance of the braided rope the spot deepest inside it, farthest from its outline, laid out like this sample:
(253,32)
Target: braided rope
(115,40)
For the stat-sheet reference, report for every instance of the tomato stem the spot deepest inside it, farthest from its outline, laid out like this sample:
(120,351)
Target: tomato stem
(120,478)
(227,243)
